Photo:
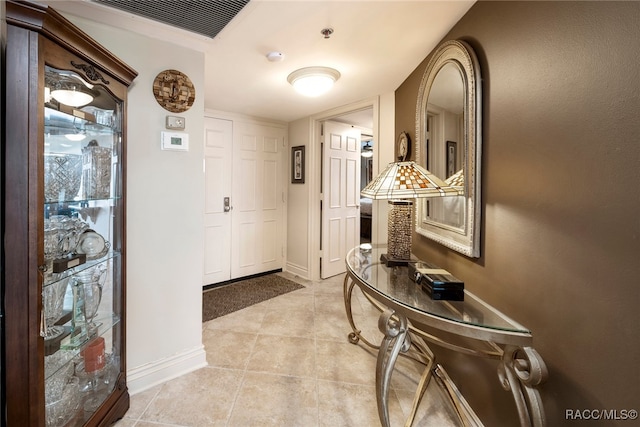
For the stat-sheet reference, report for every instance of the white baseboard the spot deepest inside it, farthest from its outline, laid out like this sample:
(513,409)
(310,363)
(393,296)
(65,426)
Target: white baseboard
(298,270)
(144,377)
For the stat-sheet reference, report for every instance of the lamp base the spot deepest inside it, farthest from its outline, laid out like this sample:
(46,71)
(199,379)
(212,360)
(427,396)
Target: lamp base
(393,262)
(399,231)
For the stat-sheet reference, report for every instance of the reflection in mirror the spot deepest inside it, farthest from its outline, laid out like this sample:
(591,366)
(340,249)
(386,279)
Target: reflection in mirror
(75,109)
(448,143)
(445,113)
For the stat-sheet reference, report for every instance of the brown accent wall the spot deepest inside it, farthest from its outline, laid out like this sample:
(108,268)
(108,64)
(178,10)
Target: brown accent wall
(560,239)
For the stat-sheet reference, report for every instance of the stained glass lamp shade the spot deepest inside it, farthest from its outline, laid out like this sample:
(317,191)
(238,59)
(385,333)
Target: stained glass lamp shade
(457,181)
(402,182)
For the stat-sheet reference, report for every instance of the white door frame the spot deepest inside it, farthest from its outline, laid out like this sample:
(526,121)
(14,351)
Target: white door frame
(315,173)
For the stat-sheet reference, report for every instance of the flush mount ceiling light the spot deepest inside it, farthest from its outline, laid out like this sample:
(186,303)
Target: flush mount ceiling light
(75,133)
(75,136)
(72,96)
(313,81)
(67,88)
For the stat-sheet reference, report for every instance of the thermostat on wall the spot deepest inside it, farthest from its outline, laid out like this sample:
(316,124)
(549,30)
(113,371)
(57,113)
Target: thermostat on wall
(175,141)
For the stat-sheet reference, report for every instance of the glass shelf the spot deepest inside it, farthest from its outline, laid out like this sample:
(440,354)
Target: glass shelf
(66,132)
(76,204)
(60,122)
(53,278)
(70,350)
(82,212)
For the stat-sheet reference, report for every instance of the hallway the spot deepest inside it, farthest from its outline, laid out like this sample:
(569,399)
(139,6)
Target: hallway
(287,362)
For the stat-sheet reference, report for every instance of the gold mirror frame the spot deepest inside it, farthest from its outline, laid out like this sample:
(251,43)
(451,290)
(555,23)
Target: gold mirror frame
(465,240)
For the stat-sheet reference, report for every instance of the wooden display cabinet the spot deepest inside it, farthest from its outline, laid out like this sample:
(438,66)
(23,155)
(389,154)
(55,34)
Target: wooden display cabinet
(64,166)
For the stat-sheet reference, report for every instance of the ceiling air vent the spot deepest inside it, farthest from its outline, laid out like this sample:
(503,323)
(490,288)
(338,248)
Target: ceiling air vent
(206,17)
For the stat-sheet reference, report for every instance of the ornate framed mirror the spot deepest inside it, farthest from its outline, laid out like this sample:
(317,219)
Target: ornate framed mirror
(449,144)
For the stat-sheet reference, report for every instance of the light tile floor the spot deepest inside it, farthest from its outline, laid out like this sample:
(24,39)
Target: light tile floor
(287,362)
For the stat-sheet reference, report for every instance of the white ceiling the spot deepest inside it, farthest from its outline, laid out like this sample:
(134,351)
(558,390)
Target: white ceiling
(376,44)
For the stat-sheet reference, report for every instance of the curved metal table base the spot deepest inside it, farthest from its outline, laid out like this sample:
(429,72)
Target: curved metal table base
(396,339)
(521,369)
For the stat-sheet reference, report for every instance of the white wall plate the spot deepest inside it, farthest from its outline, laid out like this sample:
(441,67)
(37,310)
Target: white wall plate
(177,141)
(175,123)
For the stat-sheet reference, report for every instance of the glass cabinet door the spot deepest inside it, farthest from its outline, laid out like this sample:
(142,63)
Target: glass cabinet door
(83,237)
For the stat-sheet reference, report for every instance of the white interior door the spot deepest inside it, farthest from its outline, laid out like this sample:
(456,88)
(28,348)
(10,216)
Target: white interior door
(217,220)
(340,195)
(244,199)
(258,200)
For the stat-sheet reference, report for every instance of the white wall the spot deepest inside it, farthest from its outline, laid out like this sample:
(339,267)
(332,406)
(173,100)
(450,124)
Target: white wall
(298,205)
(164,214)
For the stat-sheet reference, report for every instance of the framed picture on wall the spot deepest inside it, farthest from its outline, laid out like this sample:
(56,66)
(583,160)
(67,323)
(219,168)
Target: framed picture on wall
(452,153)
(297,164)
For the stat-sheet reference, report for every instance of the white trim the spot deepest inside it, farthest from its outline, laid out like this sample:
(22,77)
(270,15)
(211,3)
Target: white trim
(151,374)
(298,270)
(218,114)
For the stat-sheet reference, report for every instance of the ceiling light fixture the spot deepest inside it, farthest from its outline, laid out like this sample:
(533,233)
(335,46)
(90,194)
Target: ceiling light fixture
(313,81)
(367,151)
(72,97)
(75,136)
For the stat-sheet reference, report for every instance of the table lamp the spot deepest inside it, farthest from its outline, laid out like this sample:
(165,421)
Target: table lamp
(401,182)
(456,181)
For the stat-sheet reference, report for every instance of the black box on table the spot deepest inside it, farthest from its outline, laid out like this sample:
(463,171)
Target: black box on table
(437,282)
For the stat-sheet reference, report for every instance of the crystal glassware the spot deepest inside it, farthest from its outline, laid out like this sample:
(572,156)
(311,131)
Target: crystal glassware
(64,407)
(61,235)
(87,296)
(95,386)
(52,305)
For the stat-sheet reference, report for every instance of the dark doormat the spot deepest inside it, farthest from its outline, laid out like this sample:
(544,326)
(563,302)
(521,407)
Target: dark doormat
(226,299)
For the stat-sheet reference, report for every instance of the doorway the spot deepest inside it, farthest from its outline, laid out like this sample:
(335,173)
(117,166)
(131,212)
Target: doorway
(366,176)
(244,198)
(345,217)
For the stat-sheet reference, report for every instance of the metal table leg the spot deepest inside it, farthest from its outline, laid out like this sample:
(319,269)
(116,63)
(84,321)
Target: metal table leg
(396,339)
(356,334)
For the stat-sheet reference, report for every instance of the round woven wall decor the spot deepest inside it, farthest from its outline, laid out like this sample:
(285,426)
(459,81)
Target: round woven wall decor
(174,91)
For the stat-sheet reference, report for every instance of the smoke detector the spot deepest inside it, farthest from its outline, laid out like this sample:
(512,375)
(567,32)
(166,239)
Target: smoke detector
(275,56)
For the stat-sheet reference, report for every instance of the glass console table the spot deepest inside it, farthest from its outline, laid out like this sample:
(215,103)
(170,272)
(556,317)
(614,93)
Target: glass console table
(410,318)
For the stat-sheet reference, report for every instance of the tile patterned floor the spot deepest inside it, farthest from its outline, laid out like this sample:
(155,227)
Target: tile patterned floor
(287,362)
